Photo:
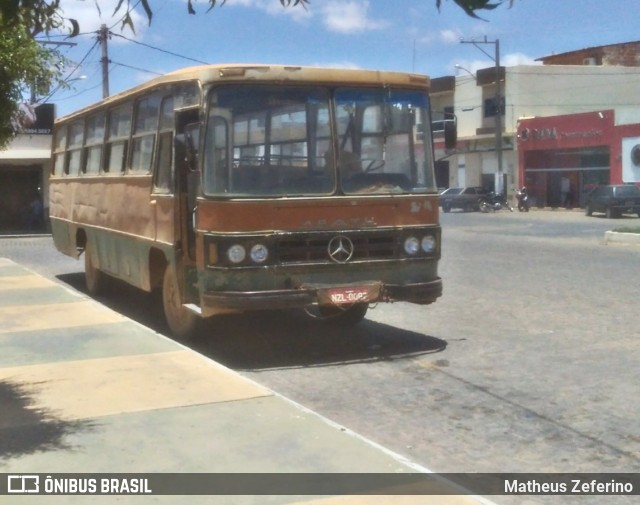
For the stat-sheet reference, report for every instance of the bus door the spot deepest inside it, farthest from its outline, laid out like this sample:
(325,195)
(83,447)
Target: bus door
(187,184)
(187,180)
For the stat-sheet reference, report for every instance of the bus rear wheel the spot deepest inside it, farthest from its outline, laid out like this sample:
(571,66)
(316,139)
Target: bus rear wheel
(181,321)
(340,316)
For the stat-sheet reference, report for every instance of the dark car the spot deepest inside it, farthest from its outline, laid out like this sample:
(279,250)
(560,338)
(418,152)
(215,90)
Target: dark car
(467,199)
(614,200)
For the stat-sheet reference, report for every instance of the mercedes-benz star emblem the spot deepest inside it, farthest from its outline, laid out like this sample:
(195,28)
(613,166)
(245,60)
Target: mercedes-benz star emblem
(340,249)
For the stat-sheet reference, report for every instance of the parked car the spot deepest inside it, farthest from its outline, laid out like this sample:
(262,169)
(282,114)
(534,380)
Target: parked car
(467,199)
(614,200)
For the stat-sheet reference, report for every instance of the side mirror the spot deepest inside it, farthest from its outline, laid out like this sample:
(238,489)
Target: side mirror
(187,128)
(192,143)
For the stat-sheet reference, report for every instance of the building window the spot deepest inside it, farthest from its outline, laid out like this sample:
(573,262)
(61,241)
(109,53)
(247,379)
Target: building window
(490,109)
(440,118)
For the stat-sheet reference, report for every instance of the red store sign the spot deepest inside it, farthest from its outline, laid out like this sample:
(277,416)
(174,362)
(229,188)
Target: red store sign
(573,130)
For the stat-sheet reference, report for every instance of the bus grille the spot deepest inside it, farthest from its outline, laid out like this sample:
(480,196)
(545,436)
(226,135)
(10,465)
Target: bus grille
(314,249)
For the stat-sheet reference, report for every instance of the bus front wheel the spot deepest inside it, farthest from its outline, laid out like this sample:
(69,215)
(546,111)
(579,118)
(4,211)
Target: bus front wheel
(181,321)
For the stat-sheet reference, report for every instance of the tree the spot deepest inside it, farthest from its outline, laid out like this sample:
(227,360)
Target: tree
(471,6)
(24,63)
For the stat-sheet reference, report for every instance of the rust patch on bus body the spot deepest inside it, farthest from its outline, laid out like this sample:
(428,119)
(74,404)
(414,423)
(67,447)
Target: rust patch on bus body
(317,214)
(119,203)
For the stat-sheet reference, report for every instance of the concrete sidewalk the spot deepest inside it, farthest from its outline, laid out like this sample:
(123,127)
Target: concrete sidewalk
(85,390)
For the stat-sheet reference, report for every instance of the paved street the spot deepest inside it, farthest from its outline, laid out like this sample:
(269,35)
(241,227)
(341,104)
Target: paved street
(529,363)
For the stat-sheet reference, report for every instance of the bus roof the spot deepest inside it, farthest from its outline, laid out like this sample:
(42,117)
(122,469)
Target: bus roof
(207,74)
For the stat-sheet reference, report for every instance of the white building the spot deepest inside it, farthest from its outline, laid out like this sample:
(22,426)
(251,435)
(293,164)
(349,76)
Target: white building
(538,91)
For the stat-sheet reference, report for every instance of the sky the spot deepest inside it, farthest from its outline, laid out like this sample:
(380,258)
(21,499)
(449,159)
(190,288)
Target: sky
(396,35)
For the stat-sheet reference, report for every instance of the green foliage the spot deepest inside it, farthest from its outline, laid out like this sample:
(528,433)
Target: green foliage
(23,64)
(38,16)
(471,6)
(628,229)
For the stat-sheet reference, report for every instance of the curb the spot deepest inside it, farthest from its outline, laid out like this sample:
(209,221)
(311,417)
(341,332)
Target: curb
(616,237)
(24,235)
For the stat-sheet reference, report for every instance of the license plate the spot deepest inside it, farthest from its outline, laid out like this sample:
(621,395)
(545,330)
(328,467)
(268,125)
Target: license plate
(350,295)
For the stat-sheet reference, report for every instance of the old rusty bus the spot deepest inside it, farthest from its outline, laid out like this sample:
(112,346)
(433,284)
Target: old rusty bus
(236,188)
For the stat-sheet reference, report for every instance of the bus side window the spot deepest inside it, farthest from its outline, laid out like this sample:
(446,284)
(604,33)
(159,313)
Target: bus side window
(118,138)
(74,153)
(59,146)
(164,165)
(217,176)
(144,134)
(164,170)
(93,144)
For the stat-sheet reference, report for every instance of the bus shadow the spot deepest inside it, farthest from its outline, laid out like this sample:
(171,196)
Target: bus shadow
(272,339)
(290,339)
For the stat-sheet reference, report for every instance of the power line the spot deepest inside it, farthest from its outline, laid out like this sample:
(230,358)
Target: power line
(135,68)
(85,90)
(159,49)
(57,88)
(82,92)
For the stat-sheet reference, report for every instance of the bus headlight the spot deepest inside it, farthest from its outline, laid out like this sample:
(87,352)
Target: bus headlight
(259,253)
(411,245)
(236,253)
(428,243)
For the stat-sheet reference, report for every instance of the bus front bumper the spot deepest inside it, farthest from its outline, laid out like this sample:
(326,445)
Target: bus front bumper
(237,301)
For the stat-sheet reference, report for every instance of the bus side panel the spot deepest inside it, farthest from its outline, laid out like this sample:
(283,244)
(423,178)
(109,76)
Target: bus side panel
(165,225)
(122,256)
(64,237)
(115,217)
(63,232)
(117,203)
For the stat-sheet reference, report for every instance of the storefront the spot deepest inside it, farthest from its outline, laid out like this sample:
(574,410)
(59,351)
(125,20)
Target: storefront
(562,158)
(24,172)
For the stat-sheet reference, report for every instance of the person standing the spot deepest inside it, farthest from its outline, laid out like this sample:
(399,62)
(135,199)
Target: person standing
(565,192)
(35,219)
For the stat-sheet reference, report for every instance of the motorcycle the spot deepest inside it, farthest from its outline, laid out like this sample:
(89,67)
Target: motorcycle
(494,202)
(523,200)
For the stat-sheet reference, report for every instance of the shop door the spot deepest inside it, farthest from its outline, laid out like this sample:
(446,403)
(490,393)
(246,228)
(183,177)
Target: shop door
(19,187)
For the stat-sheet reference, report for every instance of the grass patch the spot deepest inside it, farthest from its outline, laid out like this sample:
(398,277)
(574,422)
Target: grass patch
(628,229)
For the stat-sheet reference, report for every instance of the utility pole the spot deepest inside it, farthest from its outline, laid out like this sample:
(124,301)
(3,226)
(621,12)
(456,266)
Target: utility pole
(498,105)
(103,35)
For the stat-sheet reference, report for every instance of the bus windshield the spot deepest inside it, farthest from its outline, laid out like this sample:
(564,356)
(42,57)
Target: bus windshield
(276,141)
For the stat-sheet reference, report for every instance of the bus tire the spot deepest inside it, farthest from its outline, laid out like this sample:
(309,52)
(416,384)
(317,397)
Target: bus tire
(95,280)
(181,321)
(339,316)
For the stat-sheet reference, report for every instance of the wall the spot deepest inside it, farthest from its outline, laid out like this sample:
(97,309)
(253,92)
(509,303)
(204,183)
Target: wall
(556,90)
